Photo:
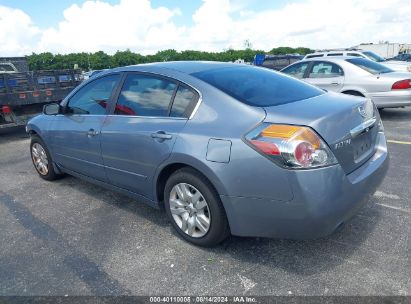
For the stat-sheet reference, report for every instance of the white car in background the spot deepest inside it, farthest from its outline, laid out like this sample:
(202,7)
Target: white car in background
(396,65)
(355,76)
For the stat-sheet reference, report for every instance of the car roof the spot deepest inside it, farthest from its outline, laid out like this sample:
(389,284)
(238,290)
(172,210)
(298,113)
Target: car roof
(330,58)
(270,56)
(336,51)
(187,67)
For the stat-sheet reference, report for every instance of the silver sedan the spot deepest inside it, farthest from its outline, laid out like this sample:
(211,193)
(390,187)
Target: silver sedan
(223,148)
(356,76)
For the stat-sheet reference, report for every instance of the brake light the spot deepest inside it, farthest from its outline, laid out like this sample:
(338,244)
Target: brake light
(266,147)
(402,85)
(291,146)
(303,153)
(6,109)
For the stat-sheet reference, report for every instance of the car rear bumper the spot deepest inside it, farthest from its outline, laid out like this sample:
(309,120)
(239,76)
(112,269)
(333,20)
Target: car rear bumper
(391,99)
(323,200)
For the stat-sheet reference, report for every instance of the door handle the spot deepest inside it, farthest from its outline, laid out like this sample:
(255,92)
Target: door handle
(92,132)
(335,83)
(161,135)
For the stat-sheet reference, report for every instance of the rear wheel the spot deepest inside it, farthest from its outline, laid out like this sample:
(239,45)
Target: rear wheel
(194,208)
(41,159)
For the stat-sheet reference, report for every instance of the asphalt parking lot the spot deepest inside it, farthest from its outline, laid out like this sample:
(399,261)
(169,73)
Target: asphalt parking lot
(70,237)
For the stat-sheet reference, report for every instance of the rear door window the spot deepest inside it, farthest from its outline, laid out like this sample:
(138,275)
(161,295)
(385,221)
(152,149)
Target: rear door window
(184,102)
(145,95)
(259,87)
(325,70)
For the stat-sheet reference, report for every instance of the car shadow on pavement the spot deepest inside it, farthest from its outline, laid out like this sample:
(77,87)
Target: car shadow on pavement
(307,257)
(13,133)
(115,216)
(116,200)
(97,280)
(302,257)
(400,114)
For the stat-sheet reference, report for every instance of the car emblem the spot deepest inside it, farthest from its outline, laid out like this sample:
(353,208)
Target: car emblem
(362,111)
(342,144)
(366,110)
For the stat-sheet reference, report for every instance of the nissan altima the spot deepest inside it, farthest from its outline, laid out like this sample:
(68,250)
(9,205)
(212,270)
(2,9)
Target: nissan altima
(223,148)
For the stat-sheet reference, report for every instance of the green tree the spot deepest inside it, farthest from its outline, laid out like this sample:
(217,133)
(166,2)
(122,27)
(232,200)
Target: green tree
(283,50)
(101,60)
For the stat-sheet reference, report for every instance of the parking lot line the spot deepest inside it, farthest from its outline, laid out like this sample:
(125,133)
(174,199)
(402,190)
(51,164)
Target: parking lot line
(399,142)
(393,207)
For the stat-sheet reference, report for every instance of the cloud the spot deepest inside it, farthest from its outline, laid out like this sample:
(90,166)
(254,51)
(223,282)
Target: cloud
(213,26)
(97,25)
(17,32)
(312,23)
(216,25)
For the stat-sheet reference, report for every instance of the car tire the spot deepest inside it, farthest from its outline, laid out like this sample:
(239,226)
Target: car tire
(41,159)
(190,200)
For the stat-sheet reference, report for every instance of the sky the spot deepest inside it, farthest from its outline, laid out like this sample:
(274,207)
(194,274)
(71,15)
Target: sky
(144,26)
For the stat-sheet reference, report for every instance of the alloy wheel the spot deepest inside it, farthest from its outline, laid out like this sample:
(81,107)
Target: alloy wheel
(190,210)
(40,159)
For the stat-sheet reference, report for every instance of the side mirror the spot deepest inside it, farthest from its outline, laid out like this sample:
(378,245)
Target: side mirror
(52,109)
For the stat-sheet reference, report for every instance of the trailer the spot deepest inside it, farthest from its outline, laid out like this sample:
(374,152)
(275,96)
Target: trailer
(23,94)
(14,64)
(276,62)
(387,49)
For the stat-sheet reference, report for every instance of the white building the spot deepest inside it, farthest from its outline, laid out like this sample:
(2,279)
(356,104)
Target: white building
(387,49)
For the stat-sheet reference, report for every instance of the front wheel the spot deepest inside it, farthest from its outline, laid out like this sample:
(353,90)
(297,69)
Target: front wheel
(194,208)
(42,159)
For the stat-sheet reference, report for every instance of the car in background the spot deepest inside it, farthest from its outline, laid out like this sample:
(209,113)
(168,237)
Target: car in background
(89,74)
(401,57)
(6,67)
(355,76)
(399,66)
(276,62)
(224,148)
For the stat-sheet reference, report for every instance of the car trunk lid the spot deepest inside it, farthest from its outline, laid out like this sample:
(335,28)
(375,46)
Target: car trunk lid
(341,120)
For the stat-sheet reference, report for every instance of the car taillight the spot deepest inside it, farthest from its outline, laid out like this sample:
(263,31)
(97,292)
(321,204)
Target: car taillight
(6,109)
(402,85)
(290,146)
(380,126)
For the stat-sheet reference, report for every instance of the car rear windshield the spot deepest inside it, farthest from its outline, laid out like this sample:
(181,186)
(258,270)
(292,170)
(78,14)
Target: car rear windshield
(258,86)
(374,56)
(370,66)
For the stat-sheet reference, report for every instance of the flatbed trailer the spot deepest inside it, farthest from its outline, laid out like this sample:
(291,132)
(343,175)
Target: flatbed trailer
(23,95)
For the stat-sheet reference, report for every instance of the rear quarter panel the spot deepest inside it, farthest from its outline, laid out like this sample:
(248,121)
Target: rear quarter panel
(367,84)
(247,173)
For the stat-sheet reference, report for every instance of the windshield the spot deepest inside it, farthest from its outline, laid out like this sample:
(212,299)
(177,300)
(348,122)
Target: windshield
(374,56)
(370,66)
(258,86)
